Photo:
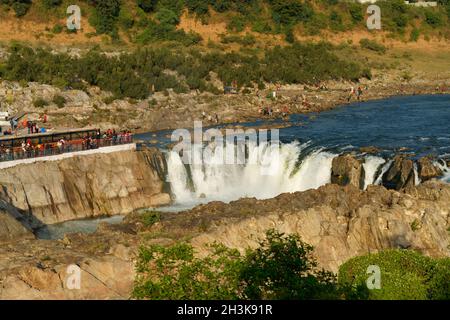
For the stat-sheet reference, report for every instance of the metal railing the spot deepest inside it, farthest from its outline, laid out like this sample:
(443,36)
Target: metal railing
(50,149)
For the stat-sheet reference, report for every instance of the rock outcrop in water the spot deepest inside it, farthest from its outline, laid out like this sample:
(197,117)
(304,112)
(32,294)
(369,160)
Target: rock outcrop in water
(400,174)
(346,170)
(83,186)
(427,170)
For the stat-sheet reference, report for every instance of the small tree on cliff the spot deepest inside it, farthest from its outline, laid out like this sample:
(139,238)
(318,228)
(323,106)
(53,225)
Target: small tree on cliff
(283,268)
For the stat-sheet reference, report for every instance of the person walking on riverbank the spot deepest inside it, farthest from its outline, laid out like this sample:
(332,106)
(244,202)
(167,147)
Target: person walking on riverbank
(359,93)
(351,94)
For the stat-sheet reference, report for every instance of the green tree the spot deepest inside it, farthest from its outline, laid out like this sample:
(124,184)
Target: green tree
(147,5)
(283,268)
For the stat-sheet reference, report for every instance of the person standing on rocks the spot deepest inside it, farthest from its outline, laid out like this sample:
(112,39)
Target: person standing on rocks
(351,94)
(359,93)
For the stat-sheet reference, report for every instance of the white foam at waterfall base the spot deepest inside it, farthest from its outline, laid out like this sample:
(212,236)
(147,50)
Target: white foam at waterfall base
(211,180)
(445,170)
(371,165)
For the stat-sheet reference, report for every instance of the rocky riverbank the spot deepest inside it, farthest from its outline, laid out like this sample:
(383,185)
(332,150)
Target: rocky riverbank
(169,110)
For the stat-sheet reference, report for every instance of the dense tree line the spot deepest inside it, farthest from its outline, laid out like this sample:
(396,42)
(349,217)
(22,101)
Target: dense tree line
(133,74)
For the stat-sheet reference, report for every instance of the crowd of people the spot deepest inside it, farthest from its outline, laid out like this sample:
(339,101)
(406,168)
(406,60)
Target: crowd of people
(30,149)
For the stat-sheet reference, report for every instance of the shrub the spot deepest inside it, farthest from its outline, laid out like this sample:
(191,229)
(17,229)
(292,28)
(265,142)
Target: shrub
(174,273)
(59,100)
(372,45)
(199,7)
(289,12)
(147,5)
(237,24)
(106,16)
(167,16)
(405,274)
(21,7)
(433,18)
(149,218)
(40,103)
(51,3)
(283,268)
(57,28)
(415,34)
(355,11)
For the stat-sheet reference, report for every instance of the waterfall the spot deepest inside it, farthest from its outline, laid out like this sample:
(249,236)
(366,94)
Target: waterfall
(265,173)
(279,171)
(384,169)
(371,166)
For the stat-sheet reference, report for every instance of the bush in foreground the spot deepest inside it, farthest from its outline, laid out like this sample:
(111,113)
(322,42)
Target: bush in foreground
(405,274)
(281,268)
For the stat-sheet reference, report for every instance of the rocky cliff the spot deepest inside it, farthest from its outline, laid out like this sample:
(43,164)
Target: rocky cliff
(84,186)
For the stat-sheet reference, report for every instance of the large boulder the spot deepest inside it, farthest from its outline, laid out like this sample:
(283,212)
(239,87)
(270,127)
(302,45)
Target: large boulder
(400,175)
(427,169)
(346,170)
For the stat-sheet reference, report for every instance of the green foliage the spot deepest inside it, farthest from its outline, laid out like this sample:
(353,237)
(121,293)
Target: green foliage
(372,45)
(288,12)
(40,103)
(149,218)
(20,7)
(125,19)
(433,18)
(167,16)
(336,21)
(199,7)
(405,274)
(246,40)
(307,63)
(415,34)
(59,100)
(147,5)
(51,3)
(133,74)
(356,12)
(57,28)
(166,32)
(261,27)
(175,273)
(105,16)
(282,267)
(236,24)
